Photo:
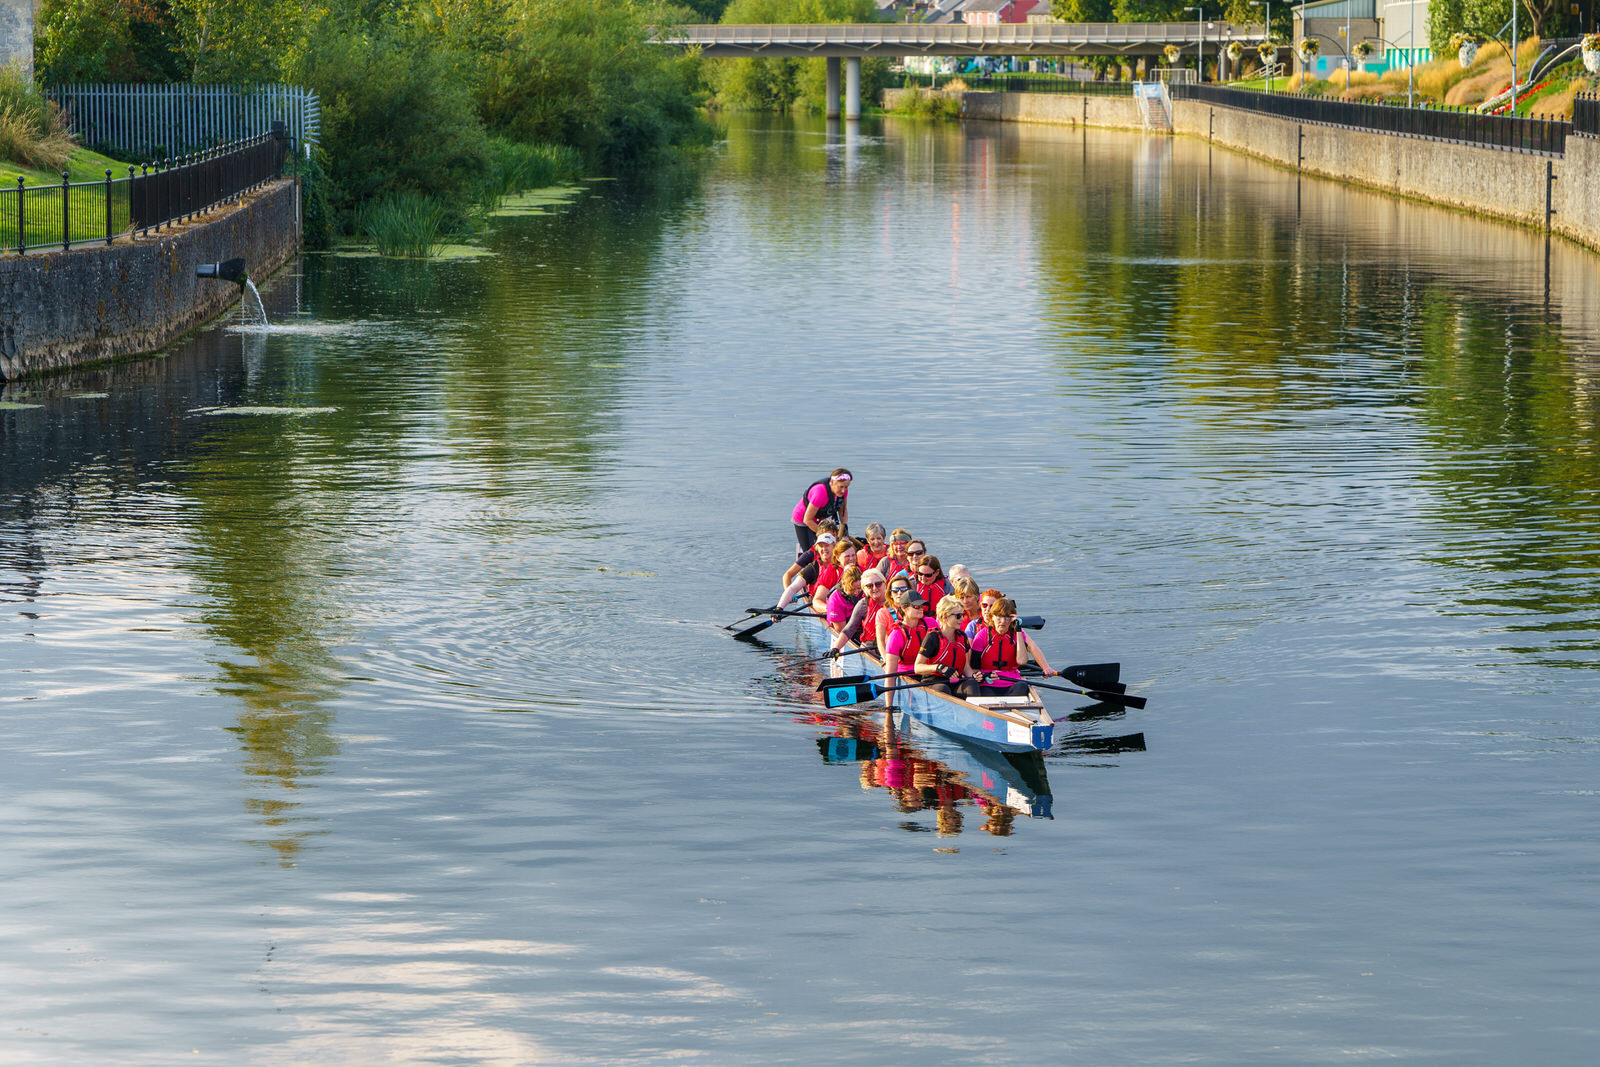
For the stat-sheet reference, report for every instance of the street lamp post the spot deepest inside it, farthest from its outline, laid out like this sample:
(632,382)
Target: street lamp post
(1411,69)
(1200,21)
(1268,37)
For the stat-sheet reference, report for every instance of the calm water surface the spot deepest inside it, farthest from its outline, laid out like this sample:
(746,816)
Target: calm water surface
(366,698)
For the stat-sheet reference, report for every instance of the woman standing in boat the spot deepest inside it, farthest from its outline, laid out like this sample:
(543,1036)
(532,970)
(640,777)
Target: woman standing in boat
(999,649)
(826,498)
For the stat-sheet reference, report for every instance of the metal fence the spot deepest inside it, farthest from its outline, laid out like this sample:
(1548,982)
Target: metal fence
(1586,114)
(156,121)
(60,215)
(1021,83)
(1544,136)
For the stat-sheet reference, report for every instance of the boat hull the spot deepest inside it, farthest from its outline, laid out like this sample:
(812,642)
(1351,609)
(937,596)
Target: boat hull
(1002,731)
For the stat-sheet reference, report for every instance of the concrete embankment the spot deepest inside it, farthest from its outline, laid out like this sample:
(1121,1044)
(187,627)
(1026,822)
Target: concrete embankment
(1485,181)
(99,302)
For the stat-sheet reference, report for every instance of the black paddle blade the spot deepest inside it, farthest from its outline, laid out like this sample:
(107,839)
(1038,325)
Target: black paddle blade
(1095,676)
(849,679)
(1031,622)
(757,628)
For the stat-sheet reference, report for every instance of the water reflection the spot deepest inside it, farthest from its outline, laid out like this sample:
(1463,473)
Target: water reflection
(924,773)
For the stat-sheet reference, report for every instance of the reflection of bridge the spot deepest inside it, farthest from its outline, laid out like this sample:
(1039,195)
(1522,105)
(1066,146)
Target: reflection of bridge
(851,41)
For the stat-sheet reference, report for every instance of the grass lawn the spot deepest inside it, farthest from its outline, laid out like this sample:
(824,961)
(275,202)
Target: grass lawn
(43,206)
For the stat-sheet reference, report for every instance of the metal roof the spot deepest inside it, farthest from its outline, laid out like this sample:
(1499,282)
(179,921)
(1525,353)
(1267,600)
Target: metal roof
(1338,9)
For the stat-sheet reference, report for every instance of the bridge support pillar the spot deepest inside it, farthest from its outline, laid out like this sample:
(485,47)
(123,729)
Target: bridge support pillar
(833,87)
(852,87)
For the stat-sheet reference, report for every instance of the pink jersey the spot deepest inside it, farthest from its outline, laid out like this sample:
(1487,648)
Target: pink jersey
(817,497)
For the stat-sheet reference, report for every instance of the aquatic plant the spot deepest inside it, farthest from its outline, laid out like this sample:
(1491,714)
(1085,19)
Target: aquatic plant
(407,225)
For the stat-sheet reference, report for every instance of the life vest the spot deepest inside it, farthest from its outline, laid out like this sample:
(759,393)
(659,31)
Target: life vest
(1000,652)
(933,592)
(952,654)
(866,559)
(908,664)
(830,510)
(827,578)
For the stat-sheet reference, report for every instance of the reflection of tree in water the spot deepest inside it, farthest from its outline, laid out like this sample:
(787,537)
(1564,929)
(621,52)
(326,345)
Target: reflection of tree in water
(1251,320)
(271,543)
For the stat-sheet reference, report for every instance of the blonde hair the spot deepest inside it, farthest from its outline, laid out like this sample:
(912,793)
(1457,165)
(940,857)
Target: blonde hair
(949,606)
(851,573)
(965,587)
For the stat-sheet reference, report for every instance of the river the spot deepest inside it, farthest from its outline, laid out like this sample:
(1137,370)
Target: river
(366,696)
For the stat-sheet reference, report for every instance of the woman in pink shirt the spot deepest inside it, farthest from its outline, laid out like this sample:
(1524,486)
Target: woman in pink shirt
(823,499)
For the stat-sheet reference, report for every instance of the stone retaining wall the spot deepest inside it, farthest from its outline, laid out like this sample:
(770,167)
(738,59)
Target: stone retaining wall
(1485,181)
(99,302)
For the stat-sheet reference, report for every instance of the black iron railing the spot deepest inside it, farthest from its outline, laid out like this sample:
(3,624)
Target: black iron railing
(1547,136)
(1586,114)
(67,213)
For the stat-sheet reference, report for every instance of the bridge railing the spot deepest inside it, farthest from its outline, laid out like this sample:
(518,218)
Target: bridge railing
(912,34)
(1543,136)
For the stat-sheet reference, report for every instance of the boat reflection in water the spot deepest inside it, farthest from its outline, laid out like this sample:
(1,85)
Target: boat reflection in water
(925,771)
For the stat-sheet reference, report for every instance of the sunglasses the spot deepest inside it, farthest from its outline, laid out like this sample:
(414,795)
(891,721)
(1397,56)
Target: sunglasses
(873,585)
(915,552)
(925,574)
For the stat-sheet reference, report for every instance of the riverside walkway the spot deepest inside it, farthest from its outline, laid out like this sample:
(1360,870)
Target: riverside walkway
(851,41)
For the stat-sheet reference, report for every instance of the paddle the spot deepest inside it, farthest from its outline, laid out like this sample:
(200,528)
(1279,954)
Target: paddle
(832,654)
(1099,676)
(775,611)
(1098,694)
(1031,622)
(839,695)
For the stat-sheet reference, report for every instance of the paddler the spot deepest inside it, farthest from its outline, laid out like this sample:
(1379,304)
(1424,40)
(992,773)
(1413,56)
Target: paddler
(946,653)
(1000,648)
(825,498)
(903,638)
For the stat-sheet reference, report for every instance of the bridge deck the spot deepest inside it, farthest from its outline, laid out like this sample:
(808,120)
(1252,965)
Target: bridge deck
(957,39)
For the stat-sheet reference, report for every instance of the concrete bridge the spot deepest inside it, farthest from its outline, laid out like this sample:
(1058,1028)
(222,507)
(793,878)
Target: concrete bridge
(851,41)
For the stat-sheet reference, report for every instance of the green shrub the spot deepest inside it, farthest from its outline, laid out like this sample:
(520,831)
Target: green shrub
(397,117)
(32,131)
(584,73)
(406,225)
(926,104)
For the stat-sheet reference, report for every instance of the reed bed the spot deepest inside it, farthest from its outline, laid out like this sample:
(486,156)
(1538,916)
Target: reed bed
(404,225)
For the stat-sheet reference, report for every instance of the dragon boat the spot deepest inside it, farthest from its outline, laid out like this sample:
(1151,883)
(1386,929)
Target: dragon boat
(1005,723)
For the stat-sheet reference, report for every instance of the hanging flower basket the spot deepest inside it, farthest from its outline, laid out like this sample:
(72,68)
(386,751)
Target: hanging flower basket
(1172,52)
(1466,47)
(1267,50)
(1590,50)
(1362,50)
(1235,51)
(1308,48)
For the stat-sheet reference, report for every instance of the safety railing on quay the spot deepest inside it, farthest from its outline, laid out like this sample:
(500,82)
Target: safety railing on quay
(1586,114)
(1512,134)
(67,213)
(1022,83)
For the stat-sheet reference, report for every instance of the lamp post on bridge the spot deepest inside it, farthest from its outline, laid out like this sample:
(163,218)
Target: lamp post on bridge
(1200,21)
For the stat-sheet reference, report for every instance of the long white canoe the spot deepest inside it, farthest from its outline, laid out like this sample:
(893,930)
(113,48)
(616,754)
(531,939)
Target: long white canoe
(1010,724)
